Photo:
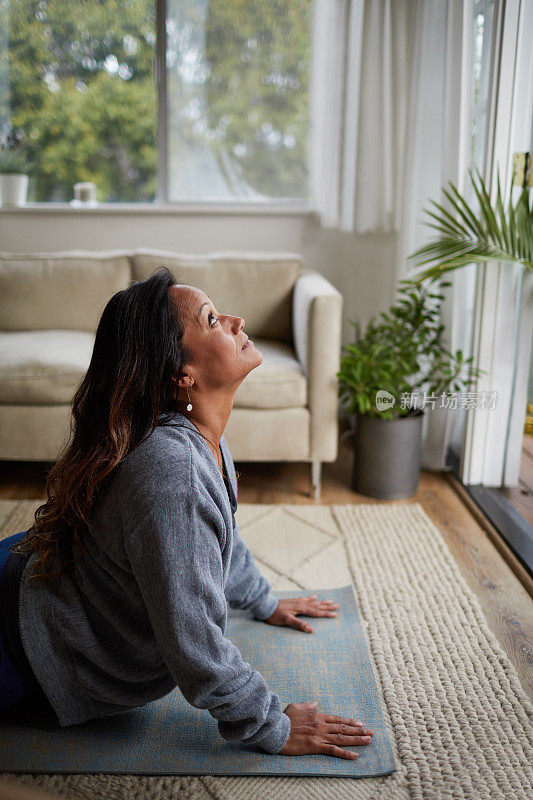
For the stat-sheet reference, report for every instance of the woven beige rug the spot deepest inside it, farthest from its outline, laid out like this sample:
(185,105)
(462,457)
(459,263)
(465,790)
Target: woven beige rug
(460,723)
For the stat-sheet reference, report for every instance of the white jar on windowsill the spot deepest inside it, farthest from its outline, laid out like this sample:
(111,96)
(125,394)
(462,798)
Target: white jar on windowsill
(84,195)
(13,189)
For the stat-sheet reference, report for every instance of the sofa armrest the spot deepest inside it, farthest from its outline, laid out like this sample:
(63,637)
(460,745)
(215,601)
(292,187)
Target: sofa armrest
(317,333)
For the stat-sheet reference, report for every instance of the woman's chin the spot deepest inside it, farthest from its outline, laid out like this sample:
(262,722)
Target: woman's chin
(256,361)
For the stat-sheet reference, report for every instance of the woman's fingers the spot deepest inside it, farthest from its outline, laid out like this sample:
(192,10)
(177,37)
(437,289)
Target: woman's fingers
(333,750)
(325,609)
(311,608)
(313,601)
(334,718)
(320,609)
(318,612)
(350,730)
(323,604)
(352,739)
(299,624)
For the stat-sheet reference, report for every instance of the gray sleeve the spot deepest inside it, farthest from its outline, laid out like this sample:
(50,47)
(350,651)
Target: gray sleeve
(245,587)
(175,554)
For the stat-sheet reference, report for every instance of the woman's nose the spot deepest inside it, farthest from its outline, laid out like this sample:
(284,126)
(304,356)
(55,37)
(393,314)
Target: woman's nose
(236,323)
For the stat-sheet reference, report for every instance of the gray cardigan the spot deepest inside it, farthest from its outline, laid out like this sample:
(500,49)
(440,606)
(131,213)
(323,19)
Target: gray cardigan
(144,607)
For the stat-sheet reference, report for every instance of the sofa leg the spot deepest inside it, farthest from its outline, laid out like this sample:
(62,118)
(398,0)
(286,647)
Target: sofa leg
(316,468)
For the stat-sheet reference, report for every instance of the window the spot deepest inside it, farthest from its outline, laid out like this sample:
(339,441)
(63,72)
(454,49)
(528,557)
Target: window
(228,120)
(483,23)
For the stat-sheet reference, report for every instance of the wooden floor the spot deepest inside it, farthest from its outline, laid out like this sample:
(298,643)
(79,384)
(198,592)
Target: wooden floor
(507,605)
(521,496)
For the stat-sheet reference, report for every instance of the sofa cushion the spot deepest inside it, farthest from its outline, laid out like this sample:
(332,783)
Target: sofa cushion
(63,290)
(43,366)
(254,285)
(278,382)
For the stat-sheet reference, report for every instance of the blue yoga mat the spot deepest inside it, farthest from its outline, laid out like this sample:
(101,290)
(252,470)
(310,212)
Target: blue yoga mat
(170,737)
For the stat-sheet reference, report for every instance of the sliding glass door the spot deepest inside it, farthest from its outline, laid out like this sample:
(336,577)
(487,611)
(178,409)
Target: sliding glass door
(490,448)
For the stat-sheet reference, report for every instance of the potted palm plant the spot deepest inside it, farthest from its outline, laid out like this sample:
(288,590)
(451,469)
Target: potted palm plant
(399,357)
(493,234)
(14,170)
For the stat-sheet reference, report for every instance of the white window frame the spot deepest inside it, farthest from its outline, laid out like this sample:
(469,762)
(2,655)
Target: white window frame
(502,288)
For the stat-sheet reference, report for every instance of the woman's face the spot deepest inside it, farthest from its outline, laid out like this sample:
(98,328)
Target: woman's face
(215,342)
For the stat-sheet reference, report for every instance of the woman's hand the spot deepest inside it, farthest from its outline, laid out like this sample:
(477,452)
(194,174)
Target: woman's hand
(285,613)
(314,732)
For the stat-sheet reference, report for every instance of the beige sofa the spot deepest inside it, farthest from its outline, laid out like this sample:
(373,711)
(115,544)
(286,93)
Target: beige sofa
(285,410)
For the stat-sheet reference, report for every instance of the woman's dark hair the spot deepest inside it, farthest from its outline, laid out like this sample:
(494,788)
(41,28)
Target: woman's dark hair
(138,349)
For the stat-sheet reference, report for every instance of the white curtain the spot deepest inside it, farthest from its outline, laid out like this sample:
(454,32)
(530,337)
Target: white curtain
(437,151)
(438,122)
(390,126)
(359,82)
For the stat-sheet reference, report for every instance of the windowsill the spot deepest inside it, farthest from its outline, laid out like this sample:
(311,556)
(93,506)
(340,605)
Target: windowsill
(229,208)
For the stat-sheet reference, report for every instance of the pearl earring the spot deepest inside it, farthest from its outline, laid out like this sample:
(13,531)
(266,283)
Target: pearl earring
(189,404)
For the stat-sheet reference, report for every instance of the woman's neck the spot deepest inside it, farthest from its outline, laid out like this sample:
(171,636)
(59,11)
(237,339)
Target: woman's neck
(211,418)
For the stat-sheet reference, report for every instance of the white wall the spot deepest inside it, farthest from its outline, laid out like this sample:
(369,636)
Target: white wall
(362,267)
(29,229)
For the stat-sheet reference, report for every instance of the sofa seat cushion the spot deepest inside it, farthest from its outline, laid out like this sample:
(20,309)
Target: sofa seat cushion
(43,366)
(278,382)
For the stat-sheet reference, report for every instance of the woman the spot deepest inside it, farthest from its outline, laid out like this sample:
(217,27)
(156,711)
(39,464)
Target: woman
(137,542)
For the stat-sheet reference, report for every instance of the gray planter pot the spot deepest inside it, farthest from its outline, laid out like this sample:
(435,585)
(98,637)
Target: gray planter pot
(387,456)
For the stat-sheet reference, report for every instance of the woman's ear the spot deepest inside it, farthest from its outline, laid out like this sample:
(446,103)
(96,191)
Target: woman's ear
(183,382)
